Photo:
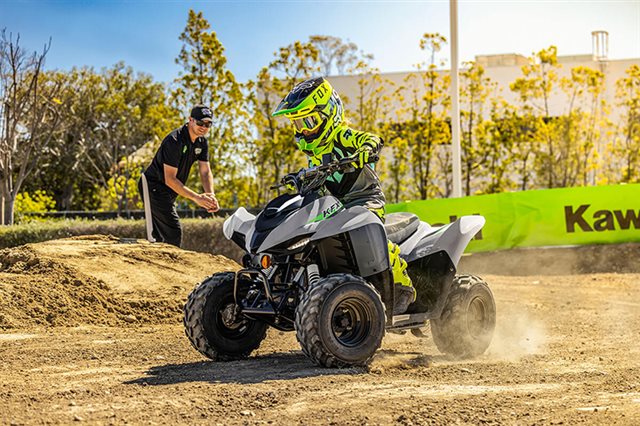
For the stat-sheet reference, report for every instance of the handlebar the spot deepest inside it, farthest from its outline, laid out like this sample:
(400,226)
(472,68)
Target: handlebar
(314,177)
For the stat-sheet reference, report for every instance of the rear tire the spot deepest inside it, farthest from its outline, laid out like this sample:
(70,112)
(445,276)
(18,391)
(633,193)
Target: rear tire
(465,327)
(340,321)
(209,323)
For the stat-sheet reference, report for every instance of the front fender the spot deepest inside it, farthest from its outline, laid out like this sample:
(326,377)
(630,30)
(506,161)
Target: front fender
(353,218)
(239,224)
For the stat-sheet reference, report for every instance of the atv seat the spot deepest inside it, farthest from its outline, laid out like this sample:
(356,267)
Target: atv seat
(400,226)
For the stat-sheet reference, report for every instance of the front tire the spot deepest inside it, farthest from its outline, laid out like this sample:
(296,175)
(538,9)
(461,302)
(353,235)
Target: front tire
(340,321)
(211,324)
(468,320)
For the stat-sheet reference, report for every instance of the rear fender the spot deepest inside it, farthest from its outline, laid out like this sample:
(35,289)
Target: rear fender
(452,239)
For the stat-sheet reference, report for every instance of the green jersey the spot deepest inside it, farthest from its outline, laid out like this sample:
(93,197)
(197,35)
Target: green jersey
(362,186)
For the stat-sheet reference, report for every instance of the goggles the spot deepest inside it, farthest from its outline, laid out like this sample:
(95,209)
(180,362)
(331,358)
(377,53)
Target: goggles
(309,123)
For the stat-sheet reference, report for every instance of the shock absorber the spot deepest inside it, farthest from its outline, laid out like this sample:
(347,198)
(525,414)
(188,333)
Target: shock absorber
(313,274)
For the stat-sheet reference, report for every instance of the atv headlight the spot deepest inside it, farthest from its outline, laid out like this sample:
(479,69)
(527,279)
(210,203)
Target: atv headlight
(299,244)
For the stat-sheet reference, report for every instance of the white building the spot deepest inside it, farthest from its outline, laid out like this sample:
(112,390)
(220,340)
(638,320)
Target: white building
(504,69)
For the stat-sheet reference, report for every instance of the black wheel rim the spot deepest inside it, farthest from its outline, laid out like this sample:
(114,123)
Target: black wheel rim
(477,317)
(351,322)
(226,321)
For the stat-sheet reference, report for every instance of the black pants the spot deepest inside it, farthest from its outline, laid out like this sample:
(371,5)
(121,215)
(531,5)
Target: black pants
(164,217)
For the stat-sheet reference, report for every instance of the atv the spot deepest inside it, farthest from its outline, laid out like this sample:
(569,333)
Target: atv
(322,269)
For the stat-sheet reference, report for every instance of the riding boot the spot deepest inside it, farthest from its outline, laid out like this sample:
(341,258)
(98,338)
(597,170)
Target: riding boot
(404,293)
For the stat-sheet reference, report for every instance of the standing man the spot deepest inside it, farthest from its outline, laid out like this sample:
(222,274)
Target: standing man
(168,172)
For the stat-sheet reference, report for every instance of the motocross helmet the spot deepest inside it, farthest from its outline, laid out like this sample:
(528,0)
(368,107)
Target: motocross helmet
(315,111)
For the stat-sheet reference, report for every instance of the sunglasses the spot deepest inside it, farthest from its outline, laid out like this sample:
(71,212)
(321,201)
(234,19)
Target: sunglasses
(206,124)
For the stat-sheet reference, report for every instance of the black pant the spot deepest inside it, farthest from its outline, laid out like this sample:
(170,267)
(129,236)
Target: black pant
(164,217)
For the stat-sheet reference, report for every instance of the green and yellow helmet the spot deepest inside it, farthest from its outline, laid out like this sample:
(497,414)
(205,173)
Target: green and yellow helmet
(315,111)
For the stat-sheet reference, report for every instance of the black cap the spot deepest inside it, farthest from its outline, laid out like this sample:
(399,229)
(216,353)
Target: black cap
(202,113)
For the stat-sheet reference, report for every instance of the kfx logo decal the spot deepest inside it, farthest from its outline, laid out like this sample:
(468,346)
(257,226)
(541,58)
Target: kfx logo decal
(327,213)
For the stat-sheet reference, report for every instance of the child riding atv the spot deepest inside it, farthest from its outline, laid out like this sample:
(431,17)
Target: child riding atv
(317,115)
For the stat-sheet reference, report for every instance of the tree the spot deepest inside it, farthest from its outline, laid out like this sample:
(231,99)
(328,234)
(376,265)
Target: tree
(397,167)
(511,141)
(425,103)
(535,90)
(581,126)
(205,78)
(61,173)
(371,107)
(474,94)
(132,113)
(565,153)
(107,116)
(275,152)
(627,146)
(370,110)
(334,54)
(29,116)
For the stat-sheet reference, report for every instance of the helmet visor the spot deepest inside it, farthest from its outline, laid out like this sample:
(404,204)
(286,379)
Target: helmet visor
(309,123)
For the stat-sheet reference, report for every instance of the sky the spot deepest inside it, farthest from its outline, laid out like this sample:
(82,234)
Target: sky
(144,33)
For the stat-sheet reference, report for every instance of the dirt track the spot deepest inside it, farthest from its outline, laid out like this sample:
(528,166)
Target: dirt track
(89,333)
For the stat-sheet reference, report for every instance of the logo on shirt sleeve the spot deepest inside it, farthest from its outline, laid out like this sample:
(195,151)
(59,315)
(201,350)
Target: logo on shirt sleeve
(198,151)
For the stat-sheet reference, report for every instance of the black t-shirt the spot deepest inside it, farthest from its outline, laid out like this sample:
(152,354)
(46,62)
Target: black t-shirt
(177,150)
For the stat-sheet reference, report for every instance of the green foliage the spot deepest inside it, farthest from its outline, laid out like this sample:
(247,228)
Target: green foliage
(474,140)
(425,102)
(122,189)
(37,202)
(38,231)
(203,235)
(395,185)
(97,130)
(106,118)
(274,150)
(371,109)
(206,79)
(512,143)
(625,151)
(564,152)
(335,56)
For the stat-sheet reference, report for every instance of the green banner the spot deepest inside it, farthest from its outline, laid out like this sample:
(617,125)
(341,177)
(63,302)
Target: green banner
(551,217)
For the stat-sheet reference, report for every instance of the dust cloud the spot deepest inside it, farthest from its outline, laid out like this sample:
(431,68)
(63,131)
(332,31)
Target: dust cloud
(517,335)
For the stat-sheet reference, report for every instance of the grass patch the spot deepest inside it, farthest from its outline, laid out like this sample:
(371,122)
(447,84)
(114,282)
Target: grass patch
(202,235)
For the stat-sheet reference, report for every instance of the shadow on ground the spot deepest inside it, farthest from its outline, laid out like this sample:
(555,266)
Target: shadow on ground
(280,366)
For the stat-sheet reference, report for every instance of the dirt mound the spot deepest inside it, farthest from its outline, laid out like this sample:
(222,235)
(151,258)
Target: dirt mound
(99,280)
(569,260)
